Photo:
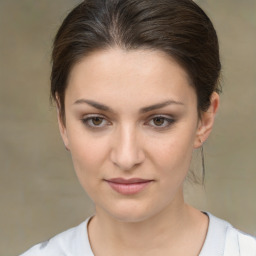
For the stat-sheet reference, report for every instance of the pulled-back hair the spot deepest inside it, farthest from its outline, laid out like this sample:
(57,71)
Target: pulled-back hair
(180,28)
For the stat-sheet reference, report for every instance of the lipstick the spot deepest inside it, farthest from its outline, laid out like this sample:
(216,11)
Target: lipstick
(128,186)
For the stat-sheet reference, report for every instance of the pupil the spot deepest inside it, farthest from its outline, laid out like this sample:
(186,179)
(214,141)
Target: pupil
(97,120)
(159,121)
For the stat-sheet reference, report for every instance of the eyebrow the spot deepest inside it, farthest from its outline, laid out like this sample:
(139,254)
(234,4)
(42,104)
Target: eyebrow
(160,105)
(142,110)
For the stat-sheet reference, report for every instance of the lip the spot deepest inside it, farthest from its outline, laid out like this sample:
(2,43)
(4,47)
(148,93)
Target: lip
(128,186)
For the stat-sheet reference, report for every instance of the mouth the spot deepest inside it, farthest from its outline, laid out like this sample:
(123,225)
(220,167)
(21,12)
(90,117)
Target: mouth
(128,186)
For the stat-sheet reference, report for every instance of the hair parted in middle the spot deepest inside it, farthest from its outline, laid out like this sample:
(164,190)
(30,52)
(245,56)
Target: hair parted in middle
(179,28)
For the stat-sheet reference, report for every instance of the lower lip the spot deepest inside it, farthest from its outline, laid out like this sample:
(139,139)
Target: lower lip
(128,189)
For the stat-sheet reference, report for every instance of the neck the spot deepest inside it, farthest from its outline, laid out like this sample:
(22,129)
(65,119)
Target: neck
(167,228)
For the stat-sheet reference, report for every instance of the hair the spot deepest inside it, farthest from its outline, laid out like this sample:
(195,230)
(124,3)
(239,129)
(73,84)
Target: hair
(179,28)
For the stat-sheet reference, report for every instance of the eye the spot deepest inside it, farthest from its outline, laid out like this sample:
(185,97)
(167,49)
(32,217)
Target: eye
(95,121)
(161,121)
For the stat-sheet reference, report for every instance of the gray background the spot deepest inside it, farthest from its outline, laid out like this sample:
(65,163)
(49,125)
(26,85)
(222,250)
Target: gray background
(39,193)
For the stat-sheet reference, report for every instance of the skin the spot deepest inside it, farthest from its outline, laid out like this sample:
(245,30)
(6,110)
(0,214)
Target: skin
(127,142)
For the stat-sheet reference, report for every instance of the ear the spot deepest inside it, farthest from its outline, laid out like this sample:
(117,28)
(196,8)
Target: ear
(62,127)
(206,121)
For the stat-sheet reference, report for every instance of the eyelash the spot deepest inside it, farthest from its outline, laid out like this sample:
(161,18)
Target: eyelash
(167,120)
(86,121)
(90,118)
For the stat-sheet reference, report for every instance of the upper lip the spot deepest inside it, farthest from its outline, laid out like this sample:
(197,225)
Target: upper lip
(128,181)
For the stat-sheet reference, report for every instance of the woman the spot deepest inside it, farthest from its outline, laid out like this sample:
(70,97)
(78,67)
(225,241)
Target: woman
(136,85)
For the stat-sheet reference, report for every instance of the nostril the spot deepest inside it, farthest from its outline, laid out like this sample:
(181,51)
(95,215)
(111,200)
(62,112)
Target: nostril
(127,160)
(126,152)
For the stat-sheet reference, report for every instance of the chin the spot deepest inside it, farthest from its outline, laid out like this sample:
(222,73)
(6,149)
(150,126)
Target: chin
(130,218)
(131,213)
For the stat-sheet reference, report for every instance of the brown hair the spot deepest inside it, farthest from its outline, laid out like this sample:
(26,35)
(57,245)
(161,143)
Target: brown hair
(180,28)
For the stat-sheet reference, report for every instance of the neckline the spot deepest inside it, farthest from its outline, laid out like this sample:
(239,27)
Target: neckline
(214,241)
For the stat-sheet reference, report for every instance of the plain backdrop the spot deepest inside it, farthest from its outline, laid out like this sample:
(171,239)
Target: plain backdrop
(39,193)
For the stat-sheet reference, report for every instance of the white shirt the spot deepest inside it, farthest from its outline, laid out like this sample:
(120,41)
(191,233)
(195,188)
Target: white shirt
(222,240)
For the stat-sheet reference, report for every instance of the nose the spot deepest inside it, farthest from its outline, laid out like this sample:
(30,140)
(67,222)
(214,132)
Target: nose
(127,152)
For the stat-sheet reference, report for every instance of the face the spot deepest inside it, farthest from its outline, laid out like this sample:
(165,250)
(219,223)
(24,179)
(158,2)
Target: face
(131,127)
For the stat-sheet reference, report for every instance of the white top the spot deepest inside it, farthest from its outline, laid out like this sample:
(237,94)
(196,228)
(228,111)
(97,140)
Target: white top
(222,240)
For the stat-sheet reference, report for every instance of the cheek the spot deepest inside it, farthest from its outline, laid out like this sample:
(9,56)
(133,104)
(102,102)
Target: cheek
(88,155)
(172,154)
(172,149)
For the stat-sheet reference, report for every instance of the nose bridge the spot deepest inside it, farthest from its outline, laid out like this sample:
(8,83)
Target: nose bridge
(127,151)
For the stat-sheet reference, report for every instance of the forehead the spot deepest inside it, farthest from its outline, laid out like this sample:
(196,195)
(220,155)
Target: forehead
(144,75)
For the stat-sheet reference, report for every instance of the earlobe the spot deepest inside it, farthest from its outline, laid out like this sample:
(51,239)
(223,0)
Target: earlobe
(206,122)
(62,129)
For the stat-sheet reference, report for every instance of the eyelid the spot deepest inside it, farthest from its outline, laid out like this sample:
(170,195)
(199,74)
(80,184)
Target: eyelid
(167,118)
(170,120)
(88,117)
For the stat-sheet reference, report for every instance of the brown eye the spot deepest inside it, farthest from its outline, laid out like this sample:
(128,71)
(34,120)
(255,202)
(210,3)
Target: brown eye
(159,121)
(97,121)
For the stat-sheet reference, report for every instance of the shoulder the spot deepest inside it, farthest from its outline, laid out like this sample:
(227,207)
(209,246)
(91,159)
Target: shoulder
(73,241)
(237,240)
(223,239)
